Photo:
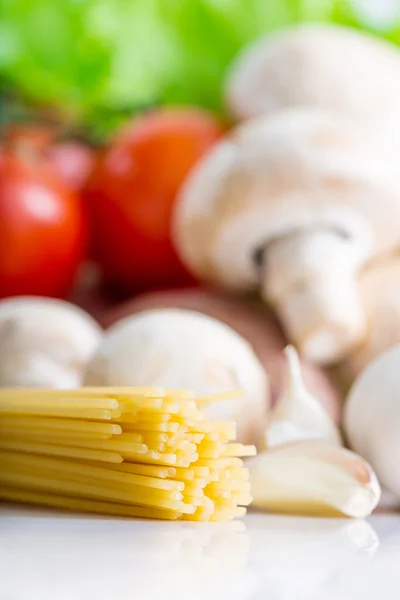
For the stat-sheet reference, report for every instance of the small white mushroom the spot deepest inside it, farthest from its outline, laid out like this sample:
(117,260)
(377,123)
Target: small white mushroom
(372,417)
(294,205)
(326,66)
(313,478)
(297,414)
(184,349)
(250,319)
(45,342)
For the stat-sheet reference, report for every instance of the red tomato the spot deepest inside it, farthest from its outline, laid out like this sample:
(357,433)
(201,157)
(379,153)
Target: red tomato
(41,229)
(73,161)
(133,189)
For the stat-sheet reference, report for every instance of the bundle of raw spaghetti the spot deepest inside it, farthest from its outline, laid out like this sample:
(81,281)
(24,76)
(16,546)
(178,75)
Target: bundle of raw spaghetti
(142,452)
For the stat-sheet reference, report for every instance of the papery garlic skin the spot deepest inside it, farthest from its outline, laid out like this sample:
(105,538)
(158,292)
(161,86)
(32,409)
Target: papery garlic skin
(313,478)
(298,415)
(372,417)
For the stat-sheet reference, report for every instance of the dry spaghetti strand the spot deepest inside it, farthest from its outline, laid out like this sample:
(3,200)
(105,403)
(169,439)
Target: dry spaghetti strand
(139,452)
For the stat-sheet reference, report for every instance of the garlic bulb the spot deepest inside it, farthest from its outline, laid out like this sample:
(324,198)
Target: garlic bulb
(298,415)
(313,478)
(45,342)
(372,417)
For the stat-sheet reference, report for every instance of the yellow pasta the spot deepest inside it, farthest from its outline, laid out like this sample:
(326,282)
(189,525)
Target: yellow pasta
(123,444)
(57,425)
(207,449)
(139,452)
(152,456)
(91,506)
(158,446)
(136,495)
(239,450)
(205,401)
(86,392)
(164,407)
(150,437)
(32,402)
(149,403)
(66,438)
(85,471)
(240,474)
(194,500)
(199,481)
(195,438)
(63,411)
(53,450)
(155,426)
(213,463)
(184,474)
(200,471)
(193,490)
(184,446)
(141,469)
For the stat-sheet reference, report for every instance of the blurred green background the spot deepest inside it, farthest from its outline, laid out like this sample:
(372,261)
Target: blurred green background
(99,59)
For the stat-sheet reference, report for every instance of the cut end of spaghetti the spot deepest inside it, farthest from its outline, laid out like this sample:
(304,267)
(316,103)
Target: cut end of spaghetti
(131,452)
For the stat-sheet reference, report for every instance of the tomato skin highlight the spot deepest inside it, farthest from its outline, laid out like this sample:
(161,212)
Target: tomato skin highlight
(73,161)
(132,192)
(42,229)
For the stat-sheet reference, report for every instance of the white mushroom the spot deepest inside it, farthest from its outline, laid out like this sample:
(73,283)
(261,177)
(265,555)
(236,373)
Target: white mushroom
(298,415)
(379,288)
(325,66)
(45,342)
(184,349)
(313,478)
(254,322)
(294,205)
(372,417)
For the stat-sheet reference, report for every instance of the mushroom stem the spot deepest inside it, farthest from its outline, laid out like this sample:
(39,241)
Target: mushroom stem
(310,277)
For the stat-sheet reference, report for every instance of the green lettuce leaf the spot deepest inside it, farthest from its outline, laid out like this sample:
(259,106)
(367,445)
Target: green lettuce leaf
(101,58)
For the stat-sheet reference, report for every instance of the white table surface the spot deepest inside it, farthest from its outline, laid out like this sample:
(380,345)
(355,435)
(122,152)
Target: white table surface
(54,556)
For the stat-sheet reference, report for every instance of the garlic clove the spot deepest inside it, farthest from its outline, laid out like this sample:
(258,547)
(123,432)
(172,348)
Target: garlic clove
(298,415)
(313,478)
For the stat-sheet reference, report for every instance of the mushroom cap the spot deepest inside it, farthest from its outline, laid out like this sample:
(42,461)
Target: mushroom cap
(45,342)
(294,171)
(175,348)
(327,66)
